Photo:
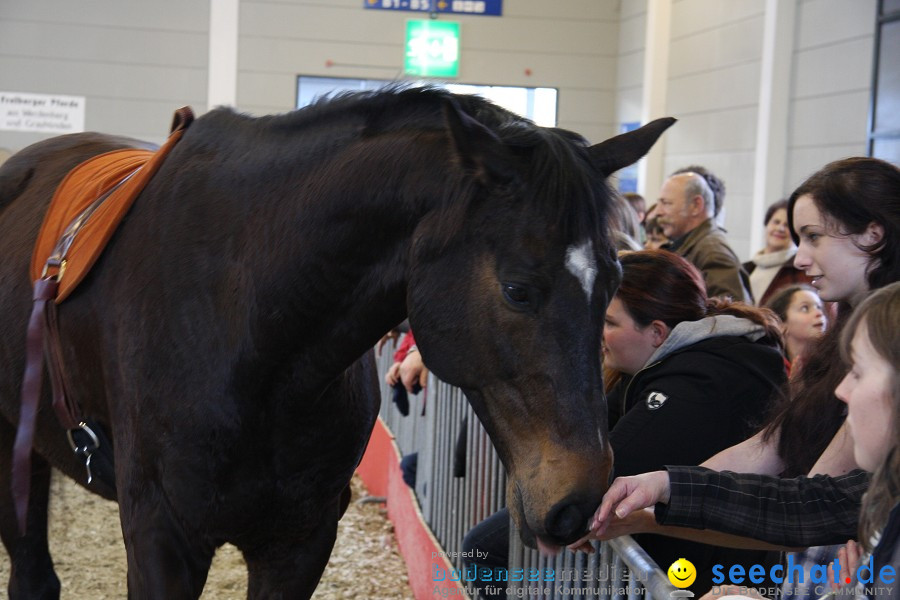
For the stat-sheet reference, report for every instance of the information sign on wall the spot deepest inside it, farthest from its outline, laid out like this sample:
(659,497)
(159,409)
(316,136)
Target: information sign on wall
(42,113)
(493,8)
(432,48)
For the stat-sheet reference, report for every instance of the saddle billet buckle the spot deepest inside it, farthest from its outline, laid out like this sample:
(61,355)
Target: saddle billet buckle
(88,449)
(58,264)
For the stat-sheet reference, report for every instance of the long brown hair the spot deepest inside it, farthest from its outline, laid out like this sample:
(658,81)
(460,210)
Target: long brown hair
(850,193)
(879,315)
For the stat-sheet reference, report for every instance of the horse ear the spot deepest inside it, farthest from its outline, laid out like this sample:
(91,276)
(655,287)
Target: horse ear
(627,148)
(478,149)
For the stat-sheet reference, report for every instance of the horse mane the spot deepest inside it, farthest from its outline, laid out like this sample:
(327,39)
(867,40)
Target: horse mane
(560,173)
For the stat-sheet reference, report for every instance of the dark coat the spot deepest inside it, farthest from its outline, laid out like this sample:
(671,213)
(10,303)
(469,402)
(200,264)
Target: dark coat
(684,409)
(706,248)
(717,393)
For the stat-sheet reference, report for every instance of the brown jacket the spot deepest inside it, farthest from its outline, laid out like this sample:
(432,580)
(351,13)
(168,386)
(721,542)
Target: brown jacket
(706,247)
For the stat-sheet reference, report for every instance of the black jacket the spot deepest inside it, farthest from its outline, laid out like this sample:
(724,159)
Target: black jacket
(683,408)
(694,403)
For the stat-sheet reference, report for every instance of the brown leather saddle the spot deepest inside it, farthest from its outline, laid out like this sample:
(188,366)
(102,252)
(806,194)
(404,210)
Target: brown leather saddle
(89,204)
(85,211)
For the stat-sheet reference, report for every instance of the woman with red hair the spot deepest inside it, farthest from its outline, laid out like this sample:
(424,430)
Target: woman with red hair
(683,363)
(687,376)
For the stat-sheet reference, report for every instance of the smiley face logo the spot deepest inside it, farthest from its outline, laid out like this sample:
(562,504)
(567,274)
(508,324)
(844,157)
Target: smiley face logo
(682,573)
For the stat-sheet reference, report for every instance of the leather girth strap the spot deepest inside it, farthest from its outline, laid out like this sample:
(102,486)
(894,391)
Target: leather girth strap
(44,294)
(43,332)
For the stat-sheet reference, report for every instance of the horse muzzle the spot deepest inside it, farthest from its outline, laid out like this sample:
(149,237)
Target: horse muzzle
(568,520)
(565,522)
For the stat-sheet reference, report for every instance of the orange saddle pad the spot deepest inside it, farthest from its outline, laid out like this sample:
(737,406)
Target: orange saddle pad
(80,188)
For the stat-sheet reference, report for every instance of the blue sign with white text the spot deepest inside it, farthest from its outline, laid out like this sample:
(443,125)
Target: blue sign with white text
(493,8)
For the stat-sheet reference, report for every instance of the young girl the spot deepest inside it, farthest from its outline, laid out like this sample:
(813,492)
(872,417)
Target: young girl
(656,239)
(803,317)
(804,511)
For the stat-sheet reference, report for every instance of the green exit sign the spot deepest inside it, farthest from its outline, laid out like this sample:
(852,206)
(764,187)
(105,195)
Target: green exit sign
(432,48)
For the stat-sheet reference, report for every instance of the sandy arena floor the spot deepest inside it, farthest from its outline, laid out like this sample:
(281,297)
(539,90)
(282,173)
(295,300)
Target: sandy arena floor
(365,562)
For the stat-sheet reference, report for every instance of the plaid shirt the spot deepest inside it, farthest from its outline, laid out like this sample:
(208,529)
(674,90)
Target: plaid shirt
(800,512)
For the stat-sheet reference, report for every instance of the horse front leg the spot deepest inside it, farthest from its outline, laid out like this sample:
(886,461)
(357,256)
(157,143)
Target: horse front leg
(165,562)
(31,572)
(291,570)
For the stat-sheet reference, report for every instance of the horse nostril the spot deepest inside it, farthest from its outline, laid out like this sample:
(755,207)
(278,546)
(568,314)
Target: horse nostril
(566,523)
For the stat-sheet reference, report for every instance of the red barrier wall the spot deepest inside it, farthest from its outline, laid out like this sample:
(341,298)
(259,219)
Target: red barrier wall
(380,471)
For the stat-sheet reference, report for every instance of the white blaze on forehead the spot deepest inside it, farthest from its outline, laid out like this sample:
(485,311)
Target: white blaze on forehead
(580,263)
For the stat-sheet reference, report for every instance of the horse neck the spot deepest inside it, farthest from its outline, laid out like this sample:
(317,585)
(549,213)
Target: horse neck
(348,243)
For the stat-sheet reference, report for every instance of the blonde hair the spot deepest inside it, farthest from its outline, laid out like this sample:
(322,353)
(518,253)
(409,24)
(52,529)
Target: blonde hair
(880,315)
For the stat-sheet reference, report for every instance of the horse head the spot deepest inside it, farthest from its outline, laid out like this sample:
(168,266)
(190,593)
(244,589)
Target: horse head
(507,293)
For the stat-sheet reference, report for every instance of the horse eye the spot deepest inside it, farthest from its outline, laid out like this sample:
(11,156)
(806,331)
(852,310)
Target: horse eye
(516,295)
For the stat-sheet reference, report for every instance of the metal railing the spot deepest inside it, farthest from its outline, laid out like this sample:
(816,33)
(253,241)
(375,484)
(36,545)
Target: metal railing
(452,505)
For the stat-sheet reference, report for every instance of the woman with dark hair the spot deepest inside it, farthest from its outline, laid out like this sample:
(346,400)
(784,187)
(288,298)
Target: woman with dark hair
(772,268)
(693,375)
(845,220)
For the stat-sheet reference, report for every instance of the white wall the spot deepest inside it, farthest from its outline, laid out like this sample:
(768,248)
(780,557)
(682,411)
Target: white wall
(832,79)
(714,70)
(714,85)
(135,62)
(569,45)
(630,61)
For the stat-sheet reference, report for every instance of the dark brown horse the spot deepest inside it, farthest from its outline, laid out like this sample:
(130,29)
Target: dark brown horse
(222,340)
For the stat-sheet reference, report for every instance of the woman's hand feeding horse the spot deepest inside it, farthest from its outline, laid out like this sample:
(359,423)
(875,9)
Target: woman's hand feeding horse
(221,340)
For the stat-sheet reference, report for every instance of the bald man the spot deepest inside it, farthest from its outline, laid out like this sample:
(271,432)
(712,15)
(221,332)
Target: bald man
(685,210)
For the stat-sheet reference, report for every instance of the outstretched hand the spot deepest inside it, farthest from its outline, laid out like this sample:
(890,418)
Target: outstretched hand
(628,494)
